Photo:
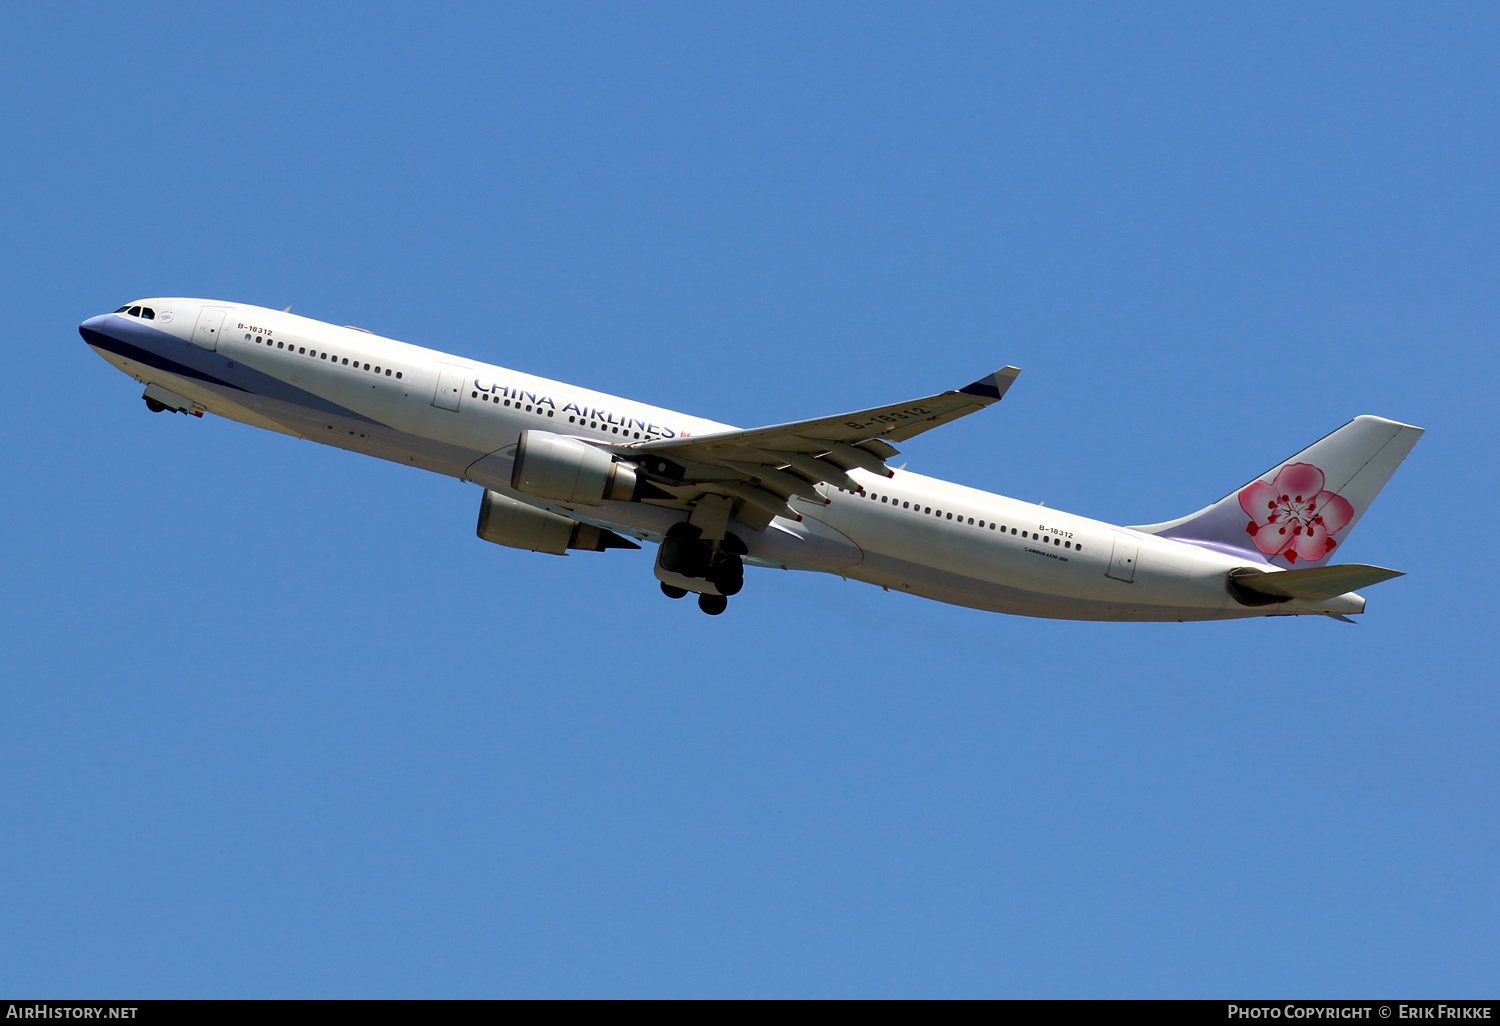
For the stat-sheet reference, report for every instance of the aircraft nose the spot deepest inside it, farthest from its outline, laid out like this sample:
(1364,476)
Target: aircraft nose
(94,325)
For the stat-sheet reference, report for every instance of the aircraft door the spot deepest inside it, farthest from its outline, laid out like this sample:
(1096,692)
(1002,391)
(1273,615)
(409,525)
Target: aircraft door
(210,326)
(1122,560)
(450,388)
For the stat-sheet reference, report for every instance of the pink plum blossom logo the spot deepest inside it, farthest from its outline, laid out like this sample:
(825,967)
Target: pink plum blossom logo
(1295,516)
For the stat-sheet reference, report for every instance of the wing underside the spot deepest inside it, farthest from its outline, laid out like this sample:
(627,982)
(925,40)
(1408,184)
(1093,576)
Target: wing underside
(752,474)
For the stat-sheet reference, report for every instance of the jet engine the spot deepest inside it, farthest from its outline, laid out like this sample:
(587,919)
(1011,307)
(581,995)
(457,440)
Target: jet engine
(554,467)
(507,521)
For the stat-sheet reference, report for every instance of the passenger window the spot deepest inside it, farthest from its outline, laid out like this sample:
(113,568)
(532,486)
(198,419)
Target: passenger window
(367,366)
(346,361)
(971,521)
(377,370)
(387,372)
(950,516)
(279,345)
(571,419)
(301,350)
(1012,530)
(906,505)
(398,374)
(885,498)
(927,510)
(322,356)
(1067,545)
(1077,548)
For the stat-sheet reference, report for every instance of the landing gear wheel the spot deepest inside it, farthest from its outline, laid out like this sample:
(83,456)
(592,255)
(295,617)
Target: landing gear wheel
(672,591)
(713,605)
(727,574)
(154,406)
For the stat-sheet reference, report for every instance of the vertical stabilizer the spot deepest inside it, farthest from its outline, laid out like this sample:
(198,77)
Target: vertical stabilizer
(1300,511)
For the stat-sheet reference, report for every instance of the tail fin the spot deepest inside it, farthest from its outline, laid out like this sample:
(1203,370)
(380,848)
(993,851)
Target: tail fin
(1298,512)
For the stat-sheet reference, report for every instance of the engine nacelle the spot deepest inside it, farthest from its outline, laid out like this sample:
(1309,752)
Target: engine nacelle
(554,467)
(507,521)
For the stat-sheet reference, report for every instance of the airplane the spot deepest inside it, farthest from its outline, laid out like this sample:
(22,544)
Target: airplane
(565,468)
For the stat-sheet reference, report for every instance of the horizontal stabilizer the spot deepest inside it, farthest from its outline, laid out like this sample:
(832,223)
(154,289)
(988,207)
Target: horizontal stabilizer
(1318,582)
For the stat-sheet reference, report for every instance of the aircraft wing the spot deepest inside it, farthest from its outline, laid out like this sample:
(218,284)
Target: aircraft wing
(763,467)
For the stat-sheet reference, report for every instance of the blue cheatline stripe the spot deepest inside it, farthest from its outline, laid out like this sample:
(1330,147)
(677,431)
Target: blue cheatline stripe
(110,344)
(251,381)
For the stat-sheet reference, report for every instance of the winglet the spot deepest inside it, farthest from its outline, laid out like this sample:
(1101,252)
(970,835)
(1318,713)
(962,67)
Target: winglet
(995,386)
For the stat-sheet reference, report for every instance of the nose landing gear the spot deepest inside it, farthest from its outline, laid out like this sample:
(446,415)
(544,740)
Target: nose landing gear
(159,400)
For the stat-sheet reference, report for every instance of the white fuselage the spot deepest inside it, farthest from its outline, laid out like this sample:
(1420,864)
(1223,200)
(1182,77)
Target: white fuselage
(359,391)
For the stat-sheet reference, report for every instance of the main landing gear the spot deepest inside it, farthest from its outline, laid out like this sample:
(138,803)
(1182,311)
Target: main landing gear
(688,562)
(713,605)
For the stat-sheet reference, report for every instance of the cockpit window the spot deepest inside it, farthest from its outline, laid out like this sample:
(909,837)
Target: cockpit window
(134,311)
(148,314)
(123,308)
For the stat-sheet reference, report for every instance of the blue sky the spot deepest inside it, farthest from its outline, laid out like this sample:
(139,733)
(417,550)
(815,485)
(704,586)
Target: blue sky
(277,724)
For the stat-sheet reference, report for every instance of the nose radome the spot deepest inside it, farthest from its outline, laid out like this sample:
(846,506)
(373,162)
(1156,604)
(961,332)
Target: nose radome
(96,325)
